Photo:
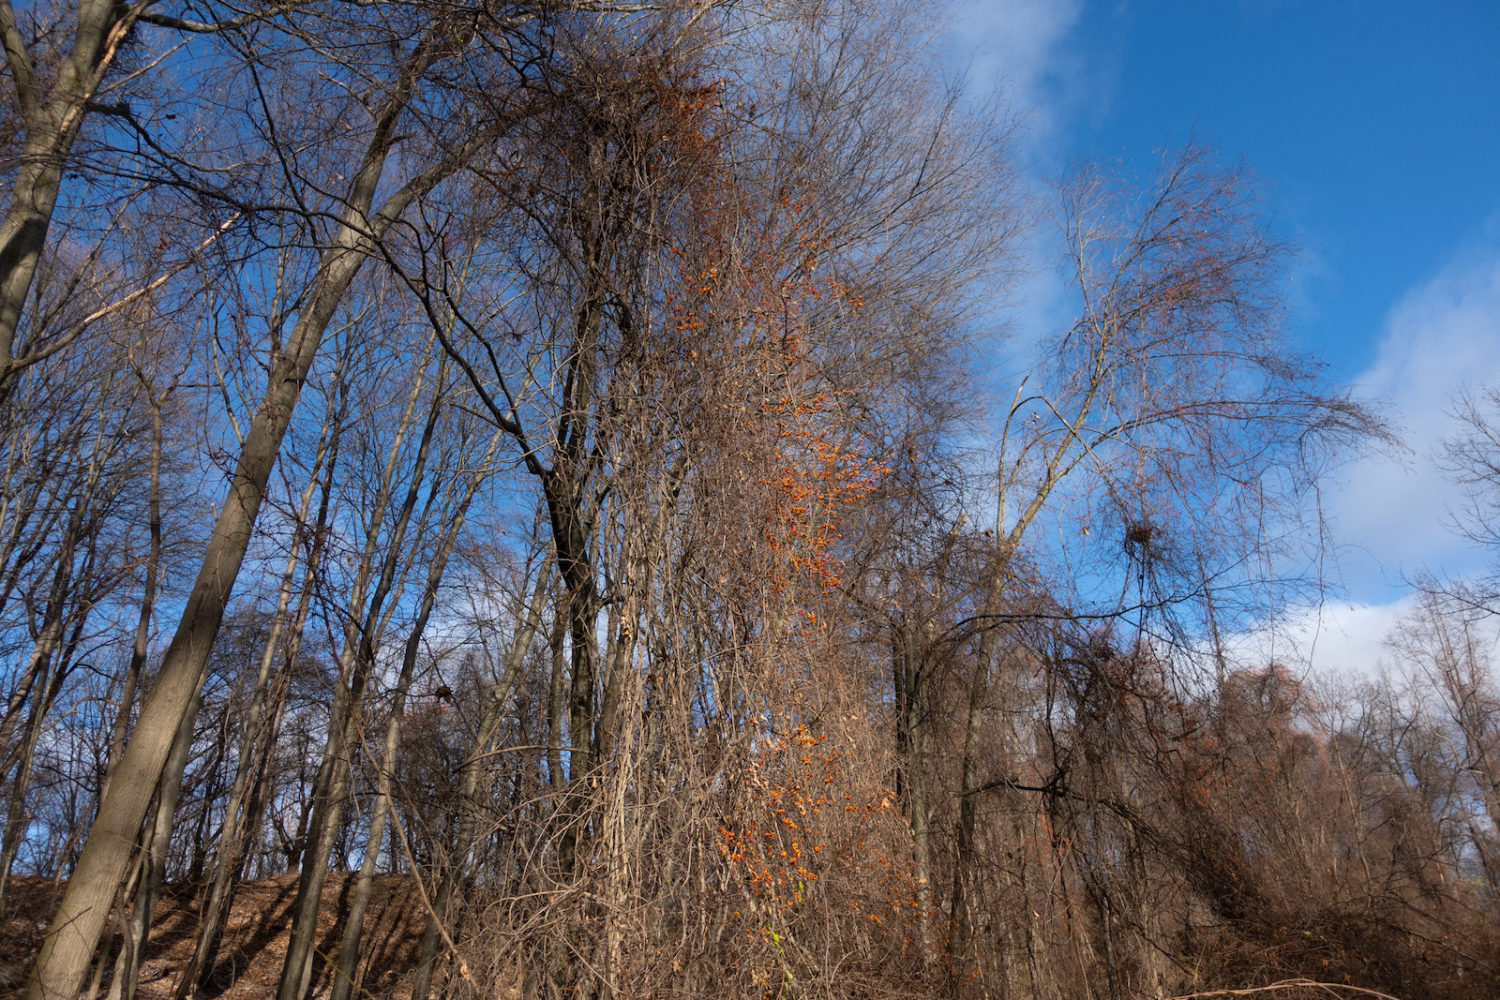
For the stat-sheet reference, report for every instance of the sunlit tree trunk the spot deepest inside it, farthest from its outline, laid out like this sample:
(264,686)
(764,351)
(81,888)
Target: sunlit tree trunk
(81,917)
(268,700)
(374,584)
(453,518)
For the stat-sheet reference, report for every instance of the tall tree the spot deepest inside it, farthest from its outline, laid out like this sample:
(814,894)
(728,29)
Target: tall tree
(362,214)
(1167,414)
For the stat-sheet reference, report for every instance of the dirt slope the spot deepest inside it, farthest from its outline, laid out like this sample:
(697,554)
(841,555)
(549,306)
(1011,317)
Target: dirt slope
(249,963)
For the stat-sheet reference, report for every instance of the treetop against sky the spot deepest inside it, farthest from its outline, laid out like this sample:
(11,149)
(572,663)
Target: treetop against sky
(1373,126)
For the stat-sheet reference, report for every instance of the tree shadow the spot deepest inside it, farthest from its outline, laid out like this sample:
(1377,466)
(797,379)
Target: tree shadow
(243,944)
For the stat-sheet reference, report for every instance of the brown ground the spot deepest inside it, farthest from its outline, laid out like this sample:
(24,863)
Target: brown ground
(249,963)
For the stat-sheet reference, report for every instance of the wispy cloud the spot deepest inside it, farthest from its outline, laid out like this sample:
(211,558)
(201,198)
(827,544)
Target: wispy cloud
(1025,54)
(1020,47)
(1390,511)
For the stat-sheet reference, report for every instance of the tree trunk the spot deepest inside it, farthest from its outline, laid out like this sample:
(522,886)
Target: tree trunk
(361,640)
(154,859)
(241,815)
(80,919)
(343,982)
(52,122)
(910,682)
(472,774)
(15,816)
(45,671)
(76,928)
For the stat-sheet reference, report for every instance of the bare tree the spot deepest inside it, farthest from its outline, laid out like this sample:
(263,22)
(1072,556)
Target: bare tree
(362,214)
(593,387)
(1177,427)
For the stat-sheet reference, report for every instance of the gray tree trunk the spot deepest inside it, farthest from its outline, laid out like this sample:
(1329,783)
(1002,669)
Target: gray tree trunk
(79,922)
(52,121)
(261,724)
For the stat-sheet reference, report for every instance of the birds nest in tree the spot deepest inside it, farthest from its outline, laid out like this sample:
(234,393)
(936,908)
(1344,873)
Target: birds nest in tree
(1142,537)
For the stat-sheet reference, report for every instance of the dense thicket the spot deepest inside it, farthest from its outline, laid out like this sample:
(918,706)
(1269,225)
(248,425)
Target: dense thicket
(538,449)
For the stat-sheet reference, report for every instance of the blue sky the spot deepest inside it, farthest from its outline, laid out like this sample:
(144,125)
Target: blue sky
(1376,128)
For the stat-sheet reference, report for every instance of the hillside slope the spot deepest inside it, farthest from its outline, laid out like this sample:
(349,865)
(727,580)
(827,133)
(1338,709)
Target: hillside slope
(255,938)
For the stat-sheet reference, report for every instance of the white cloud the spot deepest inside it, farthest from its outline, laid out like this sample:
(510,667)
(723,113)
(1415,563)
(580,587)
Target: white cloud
(1020,47)
(1335,639)
(1440,338)
(1018,37)
(1389,510)
(1023,52)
